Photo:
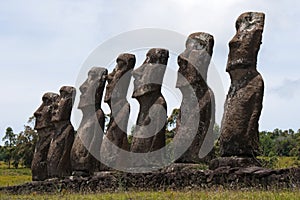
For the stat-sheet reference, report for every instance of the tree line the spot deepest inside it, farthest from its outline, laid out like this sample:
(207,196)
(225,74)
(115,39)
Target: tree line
(19,148)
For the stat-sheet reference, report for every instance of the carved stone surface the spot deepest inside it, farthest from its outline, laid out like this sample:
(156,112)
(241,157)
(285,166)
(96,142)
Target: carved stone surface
(89,134)
(175,177)
(233,162)
(239,129)
(149,133)
(192,75)
(116,91)
(58,159)
(45,130)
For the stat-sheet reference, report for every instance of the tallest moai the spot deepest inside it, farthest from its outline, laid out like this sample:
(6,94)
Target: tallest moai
(239,129)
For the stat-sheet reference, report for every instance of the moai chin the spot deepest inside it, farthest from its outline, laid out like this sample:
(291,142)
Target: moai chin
(58,159)
(192,75)
(89,134)
(149,133)
(45,130)
(239,128)
(115,96)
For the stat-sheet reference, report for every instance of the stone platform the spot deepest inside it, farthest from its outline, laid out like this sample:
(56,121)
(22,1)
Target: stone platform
(174,177)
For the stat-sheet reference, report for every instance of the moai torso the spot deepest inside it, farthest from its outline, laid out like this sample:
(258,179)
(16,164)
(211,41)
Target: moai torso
(239,129)
(149,133)
(45,130)
(58,159)
(192,75)
(116,91)
(89,134)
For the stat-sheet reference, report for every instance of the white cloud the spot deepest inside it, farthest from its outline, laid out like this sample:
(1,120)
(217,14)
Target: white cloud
(43,43)
(288,90)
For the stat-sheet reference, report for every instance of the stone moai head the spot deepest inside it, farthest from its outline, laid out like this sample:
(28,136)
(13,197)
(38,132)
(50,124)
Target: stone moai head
(149,76)
(118,80)
(43,114)
(245,45)
(64,103)
(92,89)
(194,61)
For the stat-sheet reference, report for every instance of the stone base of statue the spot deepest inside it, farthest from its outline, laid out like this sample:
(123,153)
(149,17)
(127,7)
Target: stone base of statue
(233,162)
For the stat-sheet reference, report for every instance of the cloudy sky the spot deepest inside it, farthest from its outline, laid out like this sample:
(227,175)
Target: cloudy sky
(45,43)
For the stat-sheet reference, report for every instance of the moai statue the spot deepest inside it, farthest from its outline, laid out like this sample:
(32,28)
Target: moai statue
(45,130)
(115,96)
(239,129)
(149,133)
(192,75)
(58,159)
(90,132)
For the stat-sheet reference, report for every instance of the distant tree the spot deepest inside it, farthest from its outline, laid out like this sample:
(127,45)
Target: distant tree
(130,135)
(106,124)
(284,146)
(267,142)
(25,144)
(280,143)
(291,131)
(277,132)
(2,153)
(19,148)
(216,130)
(171,125)
(9,143)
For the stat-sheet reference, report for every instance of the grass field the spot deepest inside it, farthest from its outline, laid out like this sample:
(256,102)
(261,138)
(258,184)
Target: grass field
(216,195)
(9,177)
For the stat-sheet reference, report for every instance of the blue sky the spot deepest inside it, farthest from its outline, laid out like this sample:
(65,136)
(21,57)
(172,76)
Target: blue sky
(44,44)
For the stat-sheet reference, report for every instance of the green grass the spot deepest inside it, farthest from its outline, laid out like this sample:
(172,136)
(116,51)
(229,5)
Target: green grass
(280,162)
(285,162)
(9,177)
(216,195)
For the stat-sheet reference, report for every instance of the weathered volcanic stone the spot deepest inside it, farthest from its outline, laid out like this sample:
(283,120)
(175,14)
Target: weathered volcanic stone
(88,140)
(149,133)
(116,91)
(45,130)
(239,129)
(192,75)
(175,177)
(58,159)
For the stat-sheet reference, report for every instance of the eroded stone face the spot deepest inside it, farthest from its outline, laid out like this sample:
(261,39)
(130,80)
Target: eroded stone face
(118,80)
(149,76)
(239,130)
(149,134)
(90,132)
(92,89)
(43,114)
(63,105)
(58,158)
(192,74)
(116,91)
(245,45)
(45,130)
